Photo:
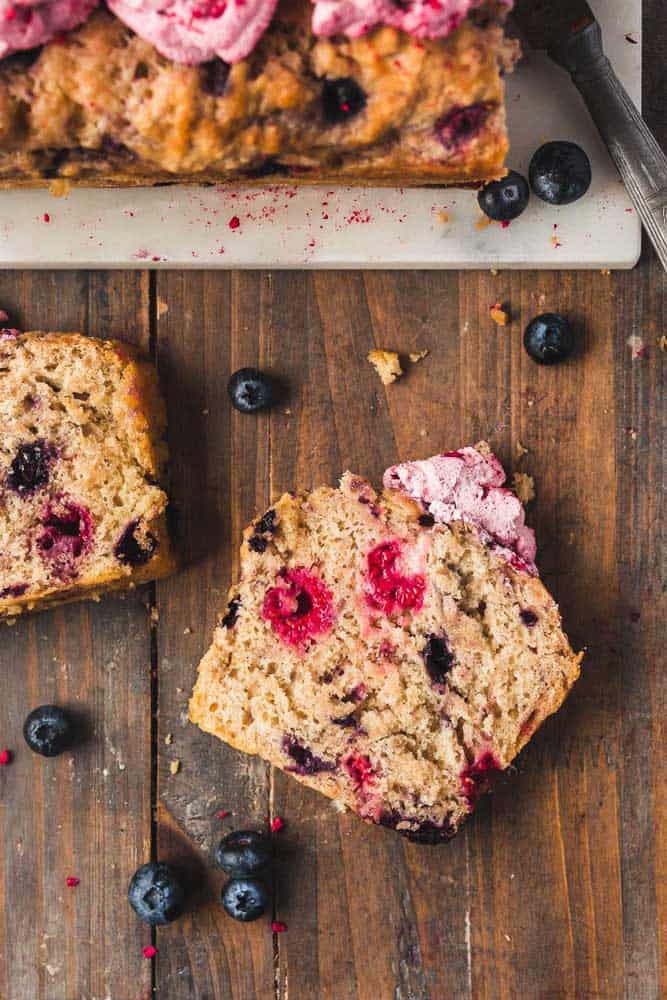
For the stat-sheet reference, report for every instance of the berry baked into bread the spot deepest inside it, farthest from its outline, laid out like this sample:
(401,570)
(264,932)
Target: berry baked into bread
(391,650)
(359,91)
(82,457)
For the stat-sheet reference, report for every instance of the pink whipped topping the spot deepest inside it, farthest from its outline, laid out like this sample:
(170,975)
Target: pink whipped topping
(466,485)
(195,31)
(420,18)
(25,24)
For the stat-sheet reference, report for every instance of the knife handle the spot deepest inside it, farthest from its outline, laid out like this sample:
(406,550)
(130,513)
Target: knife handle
(638,157)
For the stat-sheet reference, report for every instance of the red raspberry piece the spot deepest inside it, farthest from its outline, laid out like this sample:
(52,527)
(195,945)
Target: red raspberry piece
(5,757)
(277,824)
(475,777)
(388,589)
(299,608)
(278,927)
(72,881)
(150,951)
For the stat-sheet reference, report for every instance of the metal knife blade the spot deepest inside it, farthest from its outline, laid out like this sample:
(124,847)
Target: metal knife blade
(548,24)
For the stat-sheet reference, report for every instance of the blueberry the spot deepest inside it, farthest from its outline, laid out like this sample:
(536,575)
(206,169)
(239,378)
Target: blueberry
(250,390)
(438,658)
(215,75)
(505,199)
(245,898)
(243,853)
(155,893)
(560,173)
(548,339)
(29,470)
(229,620)
(341,99)
(48,730)
(134,548)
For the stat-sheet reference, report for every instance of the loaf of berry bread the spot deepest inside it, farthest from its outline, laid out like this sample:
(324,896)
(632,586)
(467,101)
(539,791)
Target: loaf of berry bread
(100,105)
(393,651)
(82,460)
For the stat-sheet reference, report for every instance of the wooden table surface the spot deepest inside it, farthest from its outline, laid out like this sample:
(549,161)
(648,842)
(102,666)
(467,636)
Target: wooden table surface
(557,888)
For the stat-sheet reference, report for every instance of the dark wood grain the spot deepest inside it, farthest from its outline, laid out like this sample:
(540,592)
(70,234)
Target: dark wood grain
(88,812)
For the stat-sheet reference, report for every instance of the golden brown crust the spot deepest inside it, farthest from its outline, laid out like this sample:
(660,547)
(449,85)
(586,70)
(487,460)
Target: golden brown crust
(102,107)
(137,417)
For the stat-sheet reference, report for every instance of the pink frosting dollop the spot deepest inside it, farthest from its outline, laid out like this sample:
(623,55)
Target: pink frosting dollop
(420,18)
(26,24)
(195,31)
(467,485)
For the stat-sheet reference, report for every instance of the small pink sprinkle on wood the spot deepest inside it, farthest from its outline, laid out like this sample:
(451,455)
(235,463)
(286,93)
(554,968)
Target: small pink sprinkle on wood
(72,881)
(277,824)
(278,927)
(5,757)
(150,951)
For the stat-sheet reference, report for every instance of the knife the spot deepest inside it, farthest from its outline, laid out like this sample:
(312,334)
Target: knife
(571,35)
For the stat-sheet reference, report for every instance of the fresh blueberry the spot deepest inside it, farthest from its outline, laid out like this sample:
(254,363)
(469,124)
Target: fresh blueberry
(341,99)
(48,730)
(560,173)
(243,853)
(134,548)
(155,893)
(245,898)
(505,199)
(548,339)
(250,390)
(29,470)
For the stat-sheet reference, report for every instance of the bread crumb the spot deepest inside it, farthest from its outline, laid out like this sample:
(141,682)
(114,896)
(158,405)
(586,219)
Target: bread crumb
(175,767)
(162,308)
(155,616)
(169,739)
(386,364)
(339,806)
(417,356)
(60,187)
(637,347)
(443,216)
(495,272)
(662,342)
(499,315)
(524,487)
(187,631)
(520,450)
(605,271)
(482,223)
(423,432)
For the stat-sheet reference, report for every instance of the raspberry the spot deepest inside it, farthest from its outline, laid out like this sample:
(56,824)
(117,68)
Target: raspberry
(299,607)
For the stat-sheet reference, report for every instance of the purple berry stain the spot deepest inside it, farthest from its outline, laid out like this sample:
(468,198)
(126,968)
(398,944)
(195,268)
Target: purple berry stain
(475,777)
(135,546)
(460,125)
(29,470)
(305,761)
(438,658)
(67,535)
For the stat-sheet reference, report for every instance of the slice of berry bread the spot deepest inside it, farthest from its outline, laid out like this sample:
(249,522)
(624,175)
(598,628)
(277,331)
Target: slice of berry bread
(392,651)
(82,459)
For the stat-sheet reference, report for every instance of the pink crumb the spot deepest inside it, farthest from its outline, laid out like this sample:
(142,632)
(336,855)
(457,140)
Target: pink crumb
(150,951)
(46,217)
(277,824)
(222,814)
(5,757)
(278,927)
(72,881)
(234,222)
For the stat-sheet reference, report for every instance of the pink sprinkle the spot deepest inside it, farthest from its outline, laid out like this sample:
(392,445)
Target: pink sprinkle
(5,757)
(150,951)
(277,824)
(46,217)
(278,927)
(72,881)
(234,222)
(223,814)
